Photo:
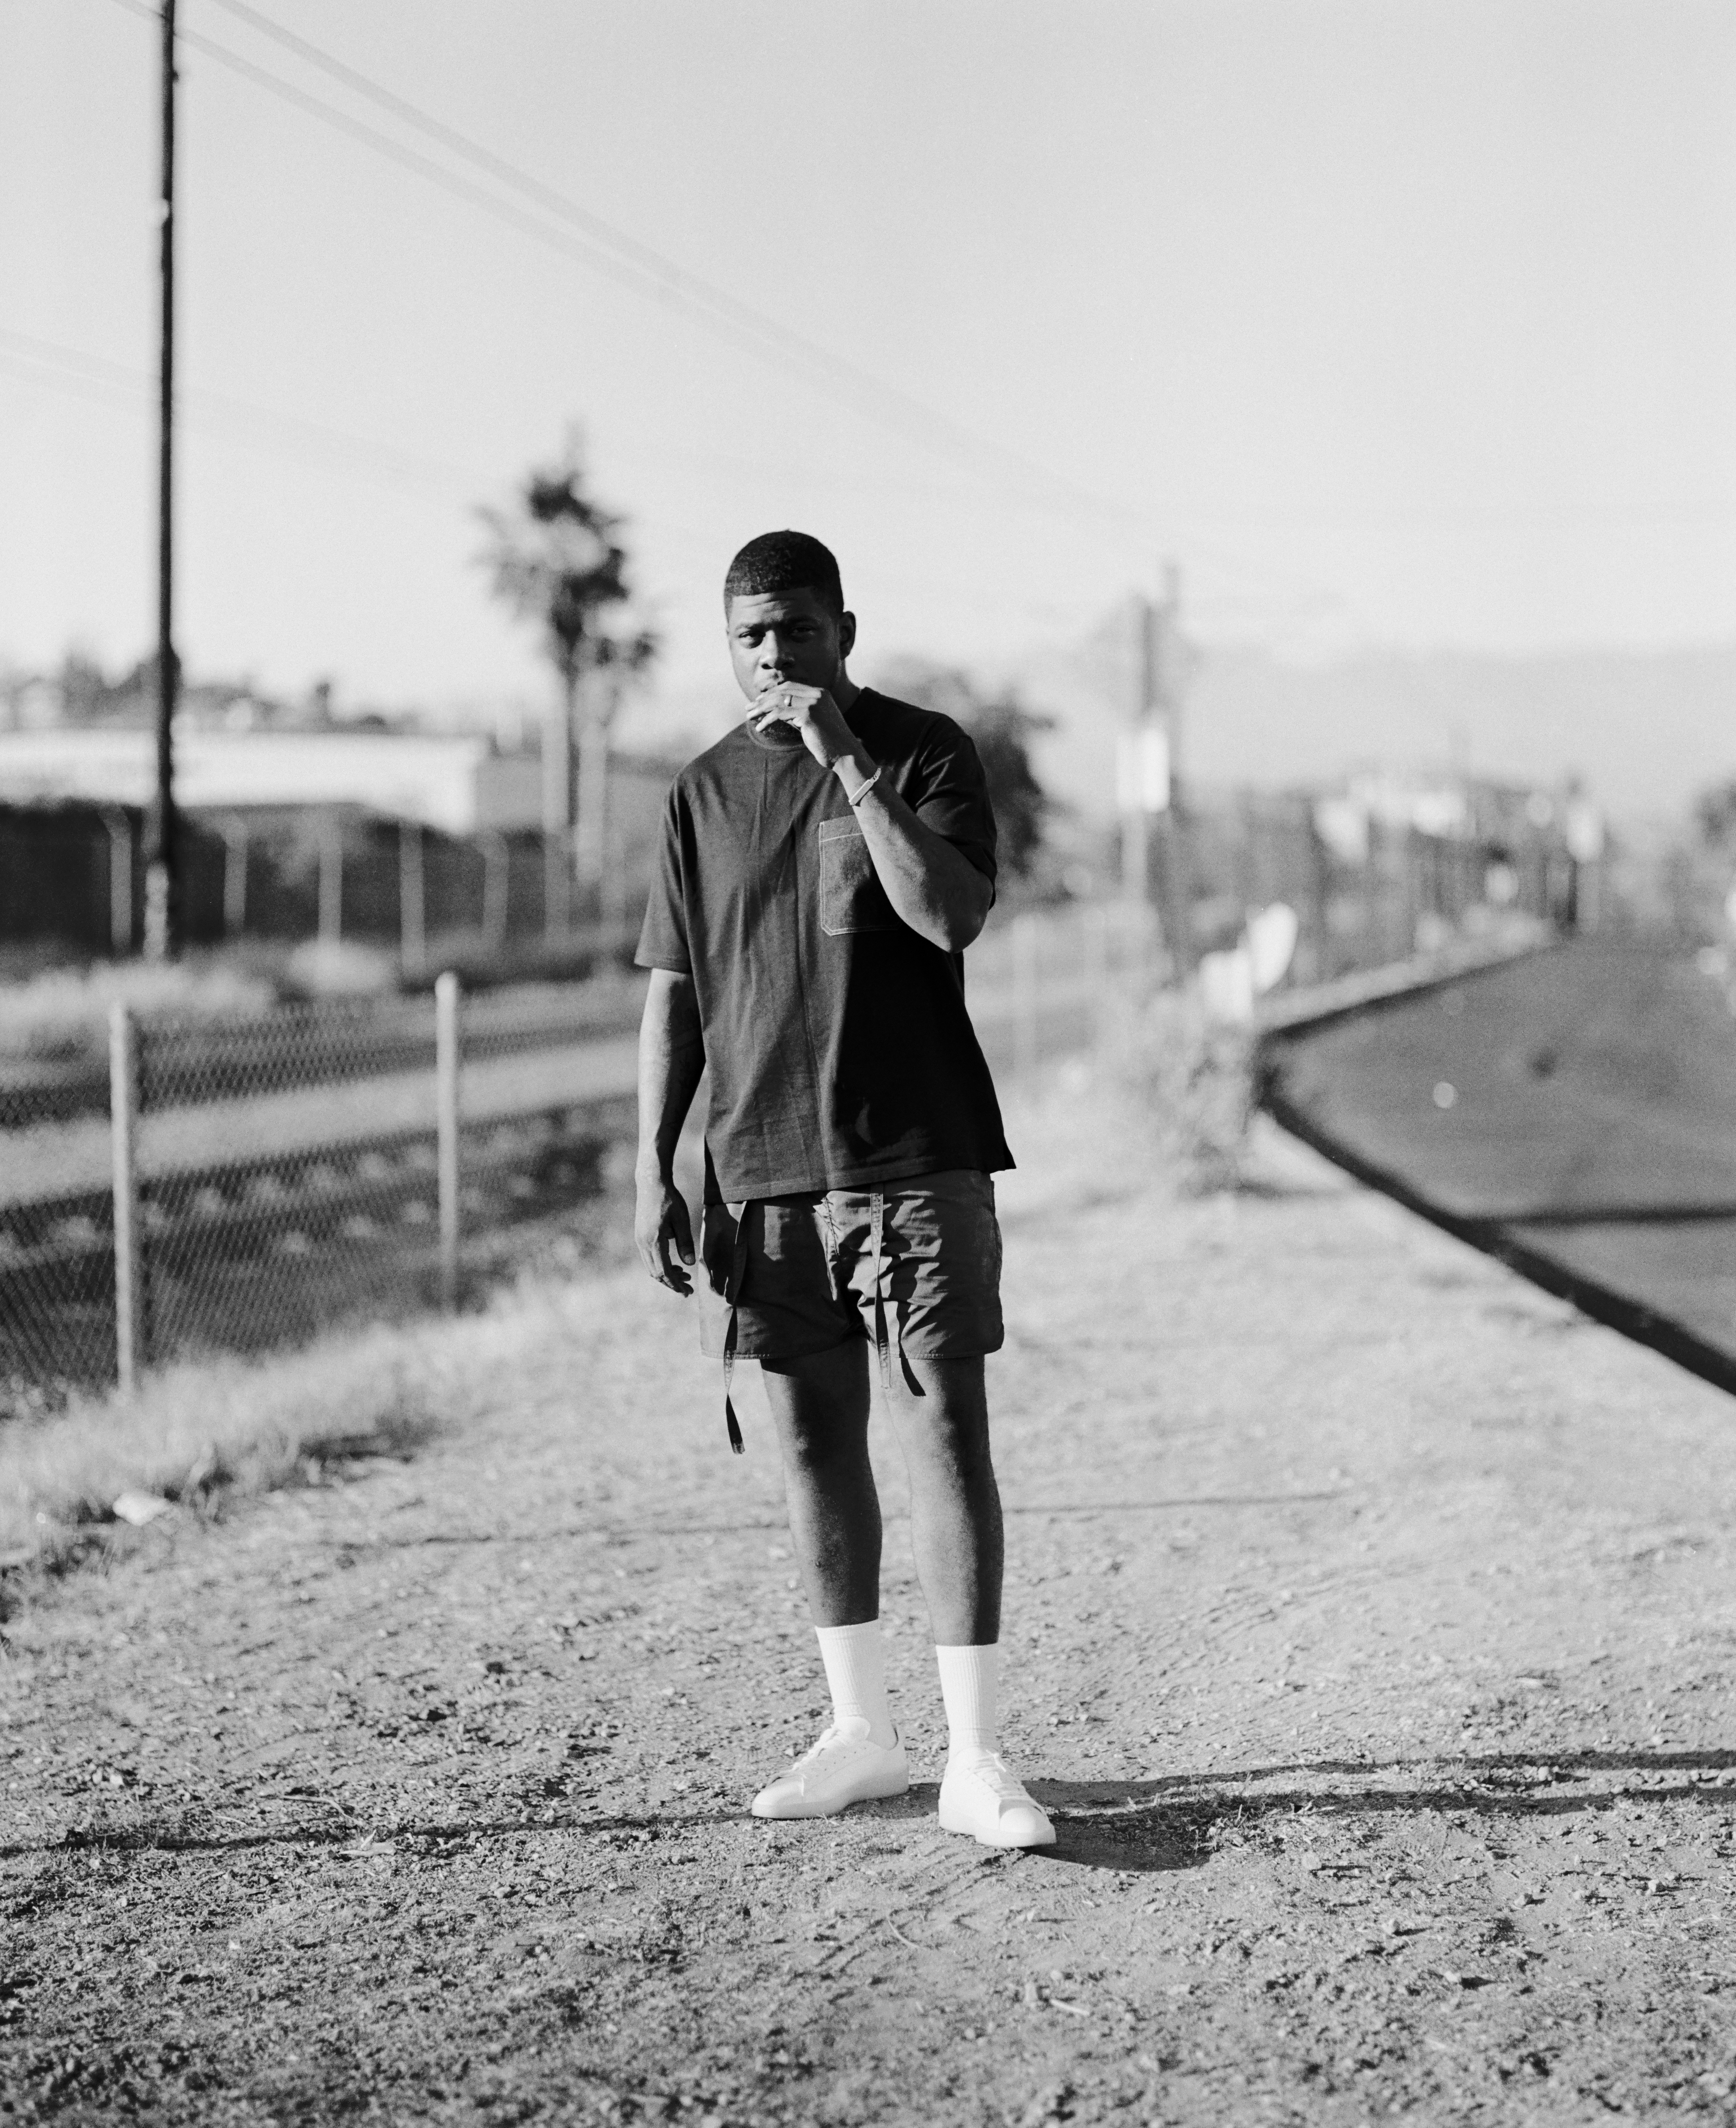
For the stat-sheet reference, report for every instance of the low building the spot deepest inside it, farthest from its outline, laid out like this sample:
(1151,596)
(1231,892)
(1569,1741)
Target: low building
(394,837)
(457,784)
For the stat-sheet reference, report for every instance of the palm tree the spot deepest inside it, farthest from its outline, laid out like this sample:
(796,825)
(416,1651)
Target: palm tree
(618,661)
(555,557)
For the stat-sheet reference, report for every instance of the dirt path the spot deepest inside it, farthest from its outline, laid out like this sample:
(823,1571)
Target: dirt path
(1372,1625)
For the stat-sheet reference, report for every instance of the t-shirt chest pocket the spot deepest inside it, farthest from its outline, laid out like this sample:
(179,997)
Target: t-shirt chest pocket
(851,898)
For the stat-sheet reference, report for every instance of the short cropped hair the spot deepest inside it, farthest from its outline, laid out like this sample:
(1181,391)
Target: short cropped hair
(785,561)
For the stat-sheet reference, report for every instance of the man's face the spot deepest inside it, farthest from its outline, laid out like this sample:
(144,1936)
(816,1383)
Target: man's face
(775,636)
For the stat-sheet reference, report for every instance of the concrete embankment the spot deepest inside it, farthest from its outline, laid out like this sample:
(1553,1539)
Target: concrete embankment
(1573,1111)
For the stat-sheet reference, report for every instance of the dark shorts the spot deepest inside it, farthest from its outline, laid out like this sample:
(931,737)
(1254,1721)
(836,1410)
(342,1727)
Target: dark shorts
(804,1271)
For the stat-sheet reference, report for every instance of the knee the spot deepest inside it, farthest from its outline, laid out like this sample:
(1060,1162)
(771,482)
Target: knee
(952,1448)
(818,1450)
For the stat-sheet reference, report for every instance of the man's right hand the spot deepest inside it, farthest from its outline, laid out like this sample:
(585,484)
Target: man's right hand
(661,1225)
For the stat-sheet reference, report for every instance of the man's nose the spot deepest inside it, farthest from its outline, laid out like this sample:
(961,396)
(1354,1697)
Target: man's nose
(772,652)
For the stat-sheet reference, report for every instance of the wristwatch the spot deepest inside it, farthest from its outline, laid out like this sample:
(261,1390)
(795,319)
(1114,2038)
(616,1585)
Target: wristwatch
(856,797)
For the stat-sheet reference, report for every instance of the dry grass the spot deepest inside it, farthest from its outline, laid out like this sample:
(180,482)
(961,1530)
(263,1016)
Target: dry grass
(1183,1084)
(63,1012)
(1167,1093)
(200,1431)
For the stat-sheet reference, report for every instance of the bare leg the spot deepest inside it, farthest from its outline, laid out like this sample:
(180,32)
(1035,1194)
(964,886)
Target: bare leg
(940,1410)
(821,1406)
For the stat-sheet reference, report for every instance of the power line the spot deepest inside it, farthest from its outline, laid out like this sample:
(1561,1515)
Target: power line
(92,376)
(655,263)
(594,242)
(297,437)
(95,378)
(97,381)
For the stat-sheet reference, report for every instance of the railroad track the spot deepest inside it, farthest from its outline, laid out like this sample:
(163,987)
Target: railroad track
(288,1170)
(253,1252)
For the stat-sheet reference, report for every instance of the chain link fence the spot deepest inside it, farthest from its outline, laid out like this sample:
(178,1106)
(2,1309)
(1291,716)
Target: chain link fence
(286,1173)
(57,1296)
(278,1171)
(289,1167)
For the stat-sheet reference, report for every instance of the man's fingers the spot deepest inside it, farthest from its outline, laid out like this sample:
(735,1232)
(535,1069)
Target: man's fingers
(659,1239)
(787,699)
(651,1255)
(671,1234)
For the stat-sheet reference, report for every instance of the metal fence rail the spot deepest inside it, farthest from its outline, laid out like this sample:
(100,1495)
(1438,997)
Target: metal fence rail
(265,1175)
(252,1180)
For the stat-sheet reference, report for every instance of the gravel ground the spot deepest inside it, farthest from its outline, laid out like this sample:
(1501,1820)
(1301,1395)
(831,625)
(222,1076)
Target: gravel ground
(1370,1631)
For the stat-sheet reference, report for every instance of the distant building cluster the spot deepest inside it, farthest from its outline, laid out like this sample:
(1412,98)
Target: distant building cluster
(81,693)
(299,822)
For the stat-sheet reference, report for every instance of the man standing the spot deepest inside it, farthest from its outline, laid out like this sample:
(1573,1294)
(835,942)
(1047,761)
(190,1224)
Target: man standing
(823,869)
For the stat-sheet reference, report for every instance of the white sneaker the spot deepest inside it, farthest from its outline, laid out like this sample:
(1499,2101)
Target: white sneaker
(845,1766)
(981,1796)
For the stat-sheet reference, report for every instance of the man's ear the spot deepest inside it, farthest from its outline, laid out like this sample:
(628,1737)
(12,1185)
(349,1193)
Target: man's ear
(847,633)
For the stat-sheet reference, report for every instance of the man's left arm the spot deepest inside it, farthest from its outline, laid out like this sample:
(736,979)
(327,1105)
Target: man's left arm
(930,881)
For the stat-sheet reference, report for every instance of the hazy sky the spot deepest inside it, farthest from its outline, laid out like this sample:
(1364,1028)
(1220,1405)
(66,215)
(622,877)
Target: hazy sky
(1395,321)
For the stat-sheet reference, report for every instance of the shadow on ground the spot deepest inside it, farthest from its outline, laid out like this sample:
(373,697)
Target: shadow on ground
(1144,1825)
(1168,1824)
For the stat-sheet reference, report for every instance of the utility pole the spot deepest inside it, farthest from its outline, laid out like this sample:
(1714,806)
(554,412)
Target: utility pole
(1167,670)
(557,813)
(1145,760)
(1134,758)
(162,868)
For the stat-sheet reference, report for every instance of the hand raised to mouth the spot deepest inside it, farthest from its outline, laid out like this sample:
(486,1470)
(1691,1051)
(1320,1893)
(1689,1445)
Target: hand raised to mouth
(810,712)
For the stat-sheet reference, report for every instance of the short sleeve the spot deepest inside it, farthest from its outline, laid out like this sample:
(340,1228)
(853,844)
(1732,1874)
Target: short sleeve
(663,935)
(949,792)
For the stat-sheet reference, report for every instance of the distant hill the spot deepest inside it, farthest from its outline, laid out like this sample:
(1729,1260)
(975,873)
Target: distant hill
(1645,730)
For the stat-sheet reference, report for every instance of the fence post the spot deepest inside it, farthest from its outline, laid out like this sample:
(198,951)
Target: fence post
(1024,993)
(331,880)
(411,942)
(119,823)
(123,1108)
(1096,920)
(234,832)
(446,1126)
(496,881)
(1374,908)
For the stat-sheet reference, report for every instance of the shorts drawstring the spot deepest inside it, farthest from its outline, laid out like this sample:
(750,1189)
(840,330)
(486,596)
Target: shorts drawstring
(877,1216)
(732,1293)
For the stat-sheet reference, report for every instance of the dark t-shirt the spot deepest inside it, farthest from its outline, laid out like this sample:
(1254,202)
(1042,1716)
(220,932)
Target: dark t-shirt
(840,1052)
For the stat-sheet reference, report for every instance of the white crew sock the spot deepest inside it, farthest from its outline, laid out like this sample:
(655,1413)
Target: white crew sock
(968,1681)
(856,1675)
